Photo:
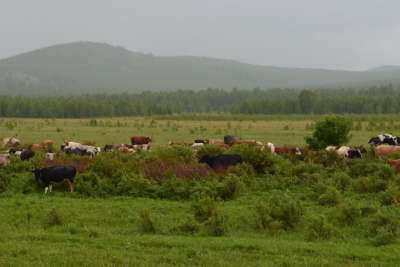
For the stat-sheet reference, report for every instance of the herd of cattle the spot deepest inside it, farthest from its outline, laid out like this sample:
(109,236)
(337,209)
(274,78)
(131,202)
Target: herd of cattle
(383,145)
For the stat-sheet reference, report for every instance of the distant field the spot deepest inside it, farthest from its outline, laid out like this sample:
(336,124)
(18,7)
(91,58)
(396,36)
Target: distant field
(280,130)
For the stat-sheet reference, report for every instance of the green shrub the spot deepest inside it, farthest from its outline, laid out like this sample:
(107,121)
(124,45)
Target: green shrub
(216,225)
(91,184)
(361,167)
(331,197)
(204,209)
(188,227)
(369,184)
(262,161)
(332,130)
(383,229)
(212,150)
(54,218)
(147,225)
(347,213)
(391,195)
(341,180)
(230,187)
(279,209)
(135,186)
(318,228)
(4,181)
(174,153)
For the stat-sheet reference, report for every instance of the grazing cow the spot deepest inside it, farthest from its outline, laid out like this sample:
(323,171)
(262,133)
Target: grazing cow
(395,163)
(11,142)
(4,160)
(287,151)
(79,149)
(330,149)
(36,147)
(140,140)
(108,148)
(216,142)
(27,154)
(271,147)
(55,174)
(229,140)
(50,156)
(201,141)
(345,152)
(197,144)
(386,150)
(384,139)
(221,162)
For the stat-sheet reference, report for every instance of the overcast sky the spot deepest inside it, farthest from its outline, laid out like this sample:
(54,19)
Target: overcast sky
(335,34)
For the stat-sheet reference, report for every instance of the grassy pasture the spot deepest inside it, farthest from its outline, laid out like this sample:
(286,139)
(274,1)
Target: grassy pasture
(281,130)
(64,229)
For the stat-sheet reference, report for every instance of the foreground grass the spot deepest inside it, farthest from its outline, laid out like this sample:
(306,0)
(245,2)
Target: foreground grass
(106,232)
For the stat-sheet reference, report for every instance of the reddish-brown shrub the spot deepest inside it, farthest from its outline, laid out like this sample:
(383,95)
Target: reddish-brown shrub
(81,164)
(159,170)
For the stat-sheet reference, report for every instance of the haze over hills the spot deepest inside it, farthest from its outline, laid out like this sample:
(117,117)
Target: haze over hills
(88,68)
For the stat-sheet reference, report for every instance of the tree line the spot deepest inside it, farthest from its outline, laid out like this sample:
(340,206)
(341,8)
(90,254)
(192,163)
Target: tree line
(373,100)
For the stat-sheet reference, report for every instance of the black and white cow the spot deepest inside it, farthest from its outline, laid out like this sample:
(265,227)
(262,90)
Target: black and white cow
(384,139)
(55,174)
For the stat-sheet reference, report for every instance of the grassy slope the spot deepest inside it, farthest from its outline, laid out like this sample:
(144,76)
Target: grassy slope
(99,232)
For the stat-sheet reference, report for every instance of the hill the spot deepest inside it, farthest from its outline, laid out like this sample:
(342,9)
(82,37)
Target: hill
(87,68)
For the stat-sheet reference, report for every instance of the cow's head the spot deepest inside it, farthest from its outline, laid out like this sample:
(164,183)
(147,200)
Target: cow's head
(375,141)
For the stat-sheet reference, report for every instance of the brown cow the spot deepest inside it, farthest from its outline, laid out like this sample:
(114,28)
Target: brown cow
(140,140)
(386,150)
(4,160)
(395,163)
(287,151)
(36,147)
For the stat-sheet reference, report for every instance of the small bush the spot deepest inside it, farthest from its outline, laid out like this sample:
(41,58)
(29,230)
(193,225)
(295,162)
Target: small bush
(347,213)
(54,218)
(369,184)
(216,225)
(188,227)
(331,197)
(204,209)
(391,195)
(383,230)
(174,153)
(332,130)
(231,187)
(318,228)
(262,161)
(279,209)
(147,225)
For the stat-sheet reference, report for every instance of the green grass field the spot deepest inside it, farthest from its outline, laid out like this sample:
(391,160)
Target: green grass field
(280,130)
(161,229)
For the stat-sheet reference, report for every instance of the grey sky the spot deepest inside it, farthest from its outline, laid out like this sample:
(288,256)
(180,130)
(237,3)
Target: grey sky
(340,34)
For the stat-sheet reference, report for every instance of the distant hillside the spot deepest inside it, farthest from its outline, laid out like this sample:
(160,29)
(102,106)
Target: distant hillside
(87,68)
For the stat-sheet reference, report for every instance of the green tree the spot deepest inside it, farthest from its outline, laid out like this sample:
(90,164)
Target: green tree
(307,101)
(332,130)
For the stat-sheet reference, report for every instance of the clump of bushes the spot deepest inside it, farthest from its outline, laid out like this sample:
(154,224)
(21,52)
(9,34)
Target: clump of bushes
(331,197)
(347,213)
(147,225)
(318,228)
(279,212)
(332,130)
(54,218)
(383,230)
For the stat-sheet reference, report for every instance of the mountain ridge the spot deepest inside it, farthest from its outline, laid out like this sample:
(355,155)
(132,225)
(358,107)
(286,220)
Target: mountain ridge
(90,68)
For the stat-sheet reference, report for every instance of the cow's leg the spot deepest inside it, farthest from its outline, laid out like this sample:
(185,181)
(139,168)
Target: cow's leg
(50,188)
(71,186)
(46,189)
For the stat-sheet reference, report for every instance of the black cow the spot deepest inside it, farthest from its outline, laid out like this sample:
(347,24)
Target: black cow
(221,162)
(229,140)
(27,154)
(55,174)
